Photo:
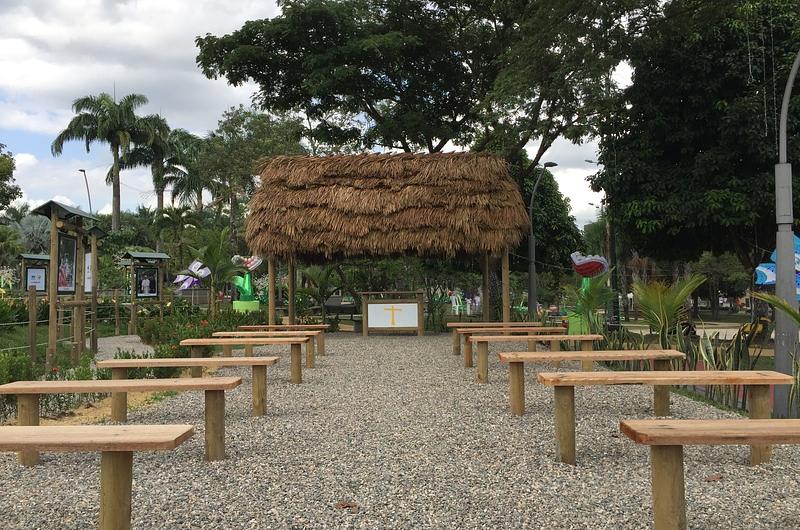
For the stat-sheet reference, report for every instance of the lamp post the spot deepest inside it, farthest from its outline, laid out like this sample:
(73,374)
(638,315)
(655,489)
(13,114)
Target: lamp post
(86,180)
(533,299)
(785,328)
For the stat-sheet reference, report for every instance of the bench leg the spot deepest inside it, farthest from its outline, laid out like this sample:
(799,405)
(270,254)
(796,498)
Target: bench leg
(215,425)
(759,410)
(297,366)
(555,345)
(531,342)
(456,343)
(259,390)
(119,400)
(587,366)
(116,479)
(669,496)
(310,360)
(321,343)
(516,388)
(248,350)
(483,362)
(661,392)
(227,351)
(467,352)
(196,352)
(565,423)
(28,415)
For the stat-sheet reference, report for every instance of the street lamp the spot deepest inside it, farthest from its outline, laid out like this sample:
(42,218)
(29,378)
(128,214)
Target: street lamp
(86,180)
(533,299)
(785,329)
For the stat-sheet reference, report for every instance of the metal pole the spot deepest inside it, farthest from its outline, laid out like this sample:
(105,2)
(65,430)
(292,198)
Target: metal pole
(533,298)
(86,180)
(785,329)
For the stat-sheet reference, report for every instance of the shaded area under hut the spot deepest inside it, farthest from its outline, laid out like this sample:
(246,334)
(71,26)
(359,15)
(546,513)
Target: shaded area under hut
(442,204)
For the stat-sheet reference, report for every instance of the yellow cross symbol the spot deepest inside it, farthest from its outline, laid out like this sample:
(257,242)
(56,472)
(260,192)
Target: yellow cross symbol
(393,309)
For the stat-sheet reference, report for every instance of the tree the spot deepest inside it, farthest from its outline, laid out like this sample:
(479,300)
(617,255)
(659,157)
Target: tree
(184,175)
(689,156)
(231,153)
(321,285)
(724,273)
(8,190)
(102,119)
(416,75)
(10,246)
(216,255)
(175,222)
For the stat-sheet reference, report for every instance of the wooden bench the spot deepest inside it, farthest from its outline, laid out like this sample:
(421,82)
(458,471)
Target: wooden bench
(248,348)
(27,393)
(758,383)
(455,326)
(119,370)
(666,439)
(587,343)
(322,328)
(516,369)
(530,330)
(293,342)
(116,444)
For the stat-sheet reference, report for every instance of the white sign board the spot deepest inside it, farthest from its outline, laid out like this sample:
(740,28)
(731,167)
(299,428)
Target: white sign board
(389,315)
(87,273)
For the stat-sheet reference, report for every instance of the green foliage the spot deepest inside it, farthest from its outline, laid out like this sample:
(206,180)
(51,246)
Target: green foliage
(216,255)
(587,302)
(321,284)
(663,306)
(10,246)
(8,190)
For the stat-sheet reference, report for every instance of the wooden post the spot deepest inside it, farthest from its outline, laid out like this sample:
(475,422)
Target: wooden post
(661,392)
(456,342)
(531,341)
(196,352)
(119,400)
(760,409)
(467,351)
(669,495)
(291,290)
(32,314)
(78,311)
(215,425)
(587,345)
(227,350)
(420,315)
(555,345)
(28,415)
(297,367)
(506,281)
(132,321)
(565,423)
(364,318)
(485,300)
(95,319)
(248,349)
(160,287)
(116,481)
(116,312)
(483,362)
(52,292)
(259,390)
(516,390)
(271,290)
(321,342)
(310,360)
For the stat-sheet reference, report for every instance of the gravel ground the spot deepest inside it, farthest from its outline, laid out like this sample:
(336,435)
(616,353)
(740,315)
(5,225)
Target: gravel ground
(392,432)
(107,347)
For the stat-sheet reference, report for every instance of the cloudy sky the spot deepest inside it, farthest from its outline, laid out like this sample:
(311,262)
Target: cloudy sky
(54,51)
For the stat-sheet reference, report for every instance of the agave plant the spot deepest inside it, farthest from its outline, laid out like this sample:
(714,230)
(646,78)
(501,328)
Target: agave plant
(664,306)
(589,299)
(783,306)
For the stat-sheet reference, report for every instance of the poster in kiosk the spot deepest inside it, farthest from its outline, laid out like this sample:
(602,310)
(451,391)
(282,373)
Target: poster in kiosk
(390,311)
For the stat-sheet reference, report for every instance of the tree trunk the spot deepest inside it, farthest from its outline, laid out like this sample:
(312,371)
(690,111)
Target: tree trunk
(234,213)
(714,299)
(199,200)
(116,196)
(159,211)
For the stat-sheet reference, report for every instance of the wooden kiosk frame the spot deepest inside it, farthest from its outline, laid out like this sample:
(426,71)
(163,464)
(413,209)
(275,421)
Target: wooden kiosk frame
(135,261)
(372,295)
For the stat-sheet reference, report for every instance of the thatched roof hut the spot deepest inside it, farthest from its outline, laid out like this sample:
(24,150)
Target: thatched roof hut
(385,204)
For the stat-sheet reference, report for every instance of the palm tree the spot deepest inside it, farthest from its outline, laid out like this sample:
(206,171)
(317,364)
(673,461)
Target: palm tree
(664,306)
(589,300)
(175,221)
(187,180)
(216,255)
(321,284)
(102,119)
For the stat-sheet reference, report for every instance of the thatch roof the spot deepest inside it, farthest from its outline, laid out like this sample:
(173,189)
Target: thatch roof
(385,204)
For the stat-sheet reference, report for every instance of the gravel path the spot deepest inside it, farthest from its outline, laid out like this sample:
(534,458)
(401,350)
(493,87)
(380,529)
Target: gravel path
(392,432)
(108,346)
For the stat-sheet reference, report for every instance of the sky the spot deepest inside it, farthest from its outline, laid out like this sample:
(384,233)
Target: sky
(54,51)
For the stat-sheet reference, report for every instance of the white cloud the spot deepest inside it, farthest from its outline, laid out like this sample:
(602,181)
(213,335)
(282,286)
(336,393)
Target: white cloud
(105,210)
(64,200)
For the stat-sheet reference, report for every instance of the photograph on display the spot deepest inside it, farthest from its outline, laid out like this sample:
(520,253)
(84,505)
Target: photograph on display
(67,259)
(36,277)
(146,282)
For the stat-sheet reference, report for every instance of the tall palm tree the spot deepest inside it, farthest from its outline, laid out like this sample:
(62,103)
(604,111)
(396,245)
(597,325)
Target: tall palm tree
(155,150)
(102,119)
(175,222)
(187,180)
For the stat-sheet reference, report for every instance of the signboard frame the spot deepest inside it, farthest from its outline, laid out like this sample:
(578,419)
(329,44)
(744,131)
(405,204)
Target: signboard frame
(371,298)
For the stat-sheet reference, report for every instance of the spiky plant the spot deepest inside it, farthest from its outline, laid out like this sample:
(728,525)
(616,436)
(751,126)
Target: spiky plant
(590,299)
(663,306)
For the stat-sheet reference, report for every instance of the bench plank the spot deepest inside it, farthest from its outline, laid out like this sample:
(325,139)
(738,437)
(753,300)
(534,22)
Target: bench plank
(237,341)
(296,333)
(541,338)
(687,377)
(261,327)
(712,432)
(515,329)
(490,324)
(94,437)
(187,362)
(597,355)
(120,385)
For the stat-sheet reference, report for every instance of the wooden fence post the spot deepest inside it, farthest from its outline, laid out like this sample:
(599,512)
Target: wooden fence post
(32,322)
(116,312)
